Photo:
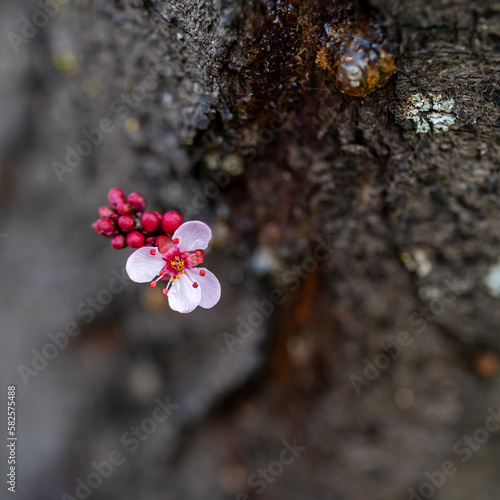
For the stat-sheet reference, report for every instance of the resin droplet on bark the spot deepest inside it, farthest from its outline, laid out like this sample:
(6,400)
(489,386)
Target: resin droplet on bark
(357,64)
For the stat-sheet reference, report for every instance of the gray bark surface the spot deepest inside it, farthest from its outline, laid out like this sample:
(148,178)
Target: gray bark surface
(220,111)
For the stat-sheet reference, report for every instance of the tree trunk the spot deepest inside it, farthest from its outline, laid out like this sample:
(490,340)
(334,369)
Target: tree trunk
(356,237)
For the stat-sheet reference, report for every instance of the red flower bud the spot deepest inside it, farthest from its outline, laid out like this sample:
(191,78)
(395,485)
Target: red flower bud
(137,201)
(109,212)
(135,239)
(115,196)
(106,227)
(150,221)
(118,242)
(171,221)
(125,209)
(126,222)
(159,215)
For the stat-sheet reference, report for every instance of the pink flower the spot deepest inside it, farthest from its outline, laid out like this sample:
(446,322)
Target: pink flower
(175,260)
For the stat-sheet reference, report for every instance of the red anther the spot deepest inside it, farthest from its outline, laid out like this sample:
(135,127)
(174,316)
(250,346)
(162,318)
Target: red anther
(153,284)
(125,209)
(152,251)
(163,272)
(135,239)
(115,196)
(202,273)
(176,240)
(199,260)
(165,244)
(126,222)
(137,201)
(165,291)
(171,221)
(199,253)
(118,242)
(106,227)
(150,221)
(195,285)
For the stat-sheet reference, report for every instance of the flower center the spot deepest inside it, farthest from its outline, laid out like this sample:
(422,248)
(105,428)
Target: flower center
(176,263)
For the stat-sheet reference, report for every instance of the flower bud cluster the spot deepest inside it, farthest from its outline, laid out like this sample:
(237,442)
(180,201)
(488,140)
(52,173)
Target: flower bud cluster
(126,222)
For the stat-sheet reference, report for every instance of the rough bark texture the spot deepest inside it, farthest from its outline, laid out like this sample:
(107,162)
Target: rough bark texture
(373,215)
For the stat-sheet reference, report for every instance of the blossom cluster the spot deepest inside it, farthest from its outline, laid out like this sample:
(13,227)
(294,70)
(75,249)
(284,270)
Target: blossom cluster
(126,222)
(168,250)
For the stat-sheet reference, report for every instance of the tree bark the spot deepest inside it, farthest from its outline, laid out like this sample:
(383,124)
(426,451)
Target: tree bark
(357,240)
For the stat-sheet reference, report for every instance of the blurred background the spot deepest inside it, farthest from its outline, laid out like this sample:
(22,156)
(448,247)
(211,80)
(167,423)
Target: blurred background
(346,359)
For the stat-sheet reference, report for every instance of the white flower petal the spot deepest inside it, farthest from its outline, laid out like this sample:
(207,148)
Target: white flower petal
(209,284)
(142,266)
(182,297)
(193,235)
